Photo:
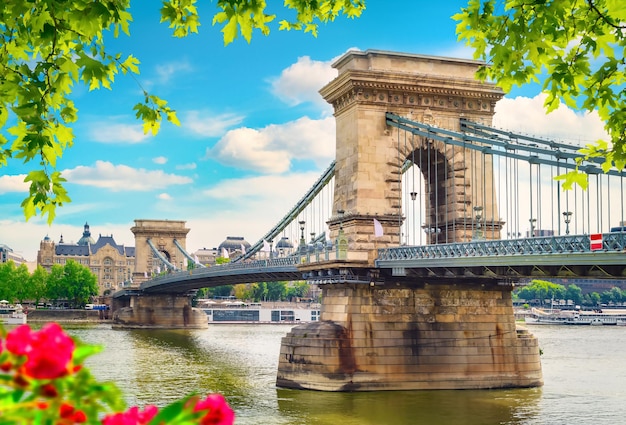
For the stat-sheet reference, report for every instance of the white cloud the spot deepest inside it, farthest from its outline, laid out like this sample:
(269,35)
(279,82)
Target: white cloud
(190,166)
(458,50)
(110,132)
(164,196)
(527,115)
(301,82)
(159,160)
(208,124)
(122,177)
(271,149)
(166,71)
(13,184)
(268,198)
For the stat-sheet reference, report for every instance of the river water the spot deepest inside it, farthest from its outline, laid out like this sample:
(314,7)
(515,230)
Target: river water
(584,371)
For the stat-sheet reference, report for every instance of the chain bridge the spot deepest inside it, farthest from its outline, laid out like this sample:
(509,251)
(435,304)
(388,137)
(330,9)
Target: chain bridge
(416,233)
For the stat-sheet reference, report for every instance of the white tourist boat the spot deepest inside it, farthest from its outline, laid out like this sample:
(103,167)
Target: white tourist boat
(576,317)
(240,312)
(12,314)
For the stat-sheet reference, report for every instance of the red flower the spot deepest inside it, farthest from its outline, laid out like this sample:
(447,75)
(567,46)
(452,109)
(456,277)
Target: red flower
(219,413)
(48,352)
(49,390)
(79,417)
(132,416)
(67,411)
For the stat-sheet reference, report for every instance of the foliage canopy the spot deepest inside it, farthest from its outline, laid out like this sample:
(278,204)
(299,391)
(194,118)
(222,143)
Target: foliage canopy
(577,47)
(47,47)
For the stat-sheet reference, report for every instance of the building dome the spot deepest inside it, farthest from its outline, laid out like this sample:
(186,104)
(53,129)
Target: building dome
(233,243)
(284,243)
(86,239)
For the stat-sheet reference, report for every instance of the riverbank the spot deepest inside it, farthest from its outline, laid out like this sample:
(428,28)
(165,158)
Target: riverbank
(68,316)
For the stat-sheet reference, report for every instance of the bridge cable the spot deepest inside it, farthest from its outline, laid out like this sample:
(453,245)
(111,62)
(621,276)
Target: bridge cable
(187,255)
(294,213)
(160,256)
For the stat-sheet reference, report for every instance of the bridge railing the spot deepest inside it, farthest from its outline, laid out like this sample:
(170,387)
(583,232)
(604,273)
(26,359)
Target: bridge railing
(526,246)
(253,264)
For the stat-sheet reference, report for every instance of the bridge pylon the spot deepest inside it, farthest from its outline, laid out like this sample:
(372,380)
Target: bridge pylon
(402,332)
(161,234)
(155,250)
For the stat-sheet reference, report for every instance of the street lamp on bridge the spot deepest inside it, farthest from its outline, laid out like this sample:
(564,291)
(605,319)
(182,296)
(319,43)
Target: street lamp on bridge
(532,222)
(302,247)
(567,216)
(478,212)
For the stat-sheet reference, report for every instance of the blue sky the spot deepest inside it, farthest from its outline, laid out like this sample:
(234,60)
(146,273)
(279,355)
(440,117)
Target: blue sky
(254,134)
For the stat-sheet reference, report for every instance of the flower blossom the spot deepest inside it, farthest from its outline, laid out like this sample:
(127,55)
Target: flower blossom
(48,351)
(219,413)
(132,416)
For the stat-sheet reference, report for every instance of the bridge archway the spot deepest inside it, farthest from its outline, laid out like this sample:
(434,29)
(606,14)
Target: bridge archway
(455,208)
(161,234)
(370,155)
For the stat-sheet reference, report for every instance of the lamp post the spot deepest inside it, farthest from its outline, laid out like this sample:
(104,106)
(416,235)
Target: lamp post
(302,241)
(567,216)
(478,213)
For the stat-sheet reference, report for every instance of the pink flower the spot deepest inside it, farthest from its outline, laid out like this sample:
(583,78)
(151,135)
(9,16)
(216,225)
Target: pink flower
(219,413)
(132,416)
(48,352)
(19,340)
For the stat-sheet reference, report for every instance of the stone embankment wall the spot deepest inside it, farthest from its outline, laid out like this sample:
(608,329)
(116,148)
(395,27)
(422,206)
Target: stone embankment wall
(68,316)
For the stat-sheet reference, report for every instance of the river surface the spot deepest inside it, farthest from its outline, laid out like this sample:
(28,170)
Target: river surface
(584,371)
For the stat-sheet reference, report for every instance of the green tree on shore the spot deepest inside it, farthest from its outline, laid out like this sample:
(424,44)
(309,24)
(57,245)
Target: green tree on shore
(37,284)
(79,284)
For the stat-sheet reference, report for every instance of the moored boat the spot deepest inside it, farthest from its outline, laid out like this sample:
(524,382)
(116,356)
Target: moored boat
(576,317)
(239,312)
(12,314)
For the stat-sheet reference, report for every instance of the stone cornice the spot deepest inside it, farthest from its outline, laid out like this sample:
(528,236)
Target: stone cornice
(411,91)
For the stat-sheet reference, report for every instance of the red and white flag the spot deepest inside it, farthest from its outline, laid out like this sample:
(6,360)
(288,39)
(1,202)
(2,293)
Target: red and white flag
(595,241)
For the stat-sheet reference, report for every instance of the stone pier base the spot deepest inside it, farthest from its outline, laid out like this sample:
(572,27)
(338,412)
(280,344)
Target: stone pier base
(160,312)
(411,338)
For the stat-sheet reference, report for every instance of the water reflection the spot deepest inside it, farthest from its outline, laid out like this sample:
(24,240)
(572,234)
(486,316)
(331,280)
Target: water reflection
(584,382)
(410,407)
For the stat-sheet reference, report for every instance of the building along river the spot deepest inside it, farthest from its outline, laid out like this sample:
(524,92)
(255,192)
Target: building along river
(584,372)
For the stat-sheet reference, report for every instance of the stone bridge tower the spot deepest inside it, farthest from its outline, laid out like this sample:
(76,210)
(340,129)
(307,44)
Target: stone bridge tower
(406,332)
(432,90)
(157,311)
(161,233)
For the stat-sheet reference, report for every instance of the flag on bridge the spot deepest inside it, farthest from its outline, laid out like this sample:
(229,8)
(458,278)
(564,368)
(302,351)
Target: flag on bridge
(266,246)
(225,253)
(378,229)
(195,258)
(243,249)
